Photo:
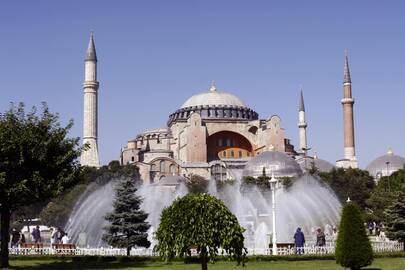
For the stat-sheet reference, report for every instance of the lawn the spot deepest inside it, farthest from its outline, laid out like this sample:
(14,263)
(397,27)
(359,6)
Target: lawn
(382,263)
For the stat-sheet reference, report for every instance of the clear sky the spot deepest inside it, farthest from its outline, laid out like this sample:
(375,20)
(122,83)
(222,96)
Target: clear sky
(153,55)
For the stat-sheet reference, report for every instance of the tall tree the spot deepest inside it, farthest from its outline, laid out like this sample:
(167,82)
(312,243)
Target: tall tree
(354,183)
(396,218)
(353,248)
(128,227)
(37,162)
(203,222)
(385,193)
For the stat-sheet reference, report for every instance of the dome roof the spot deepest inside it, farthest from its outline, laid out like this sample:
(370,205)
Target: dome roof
(277,163)
(321,164)
(213,98)
(385,165)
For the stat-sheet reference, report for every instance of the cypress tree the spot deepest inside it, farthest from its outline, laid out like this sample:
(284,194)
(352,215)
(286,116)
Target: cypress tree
(128,227)
(353,248)
(396,218)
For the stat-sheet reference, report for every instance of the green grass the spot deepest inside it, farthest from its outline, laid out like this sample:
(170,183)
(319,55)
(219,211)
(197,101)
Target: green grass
(37,264)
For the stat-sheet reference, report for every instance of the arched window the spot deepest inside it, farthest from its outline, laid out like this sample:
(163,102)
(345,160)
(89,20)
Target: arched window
(224,153)
(240,154)
(162,166)
(172,169)
(232,153)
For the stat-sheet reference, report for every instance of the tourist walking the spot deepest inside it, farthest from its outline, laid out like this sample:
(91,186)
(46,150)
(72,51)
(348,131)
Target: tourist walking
(36,235)
(54,236)
(320,239)
(299,241)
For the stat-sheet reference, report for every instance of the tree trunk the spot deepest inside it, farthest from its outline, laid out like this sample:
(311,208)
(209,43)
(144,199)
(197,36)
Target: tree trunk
(128,251)
(204,264)
(5,236)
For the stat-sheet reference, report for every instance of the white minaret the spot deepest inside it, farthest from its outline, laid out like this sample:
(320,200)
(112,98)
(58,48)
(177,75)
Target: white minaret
(302,125)
(90,114)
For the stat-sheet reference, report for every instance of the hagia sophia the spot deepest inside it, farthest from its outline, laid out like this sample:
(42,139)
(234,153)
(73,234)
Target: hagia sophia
(216,135)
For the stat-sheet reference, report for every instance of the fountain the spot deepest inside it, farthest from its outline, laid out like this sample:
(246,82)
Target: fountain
(308,204)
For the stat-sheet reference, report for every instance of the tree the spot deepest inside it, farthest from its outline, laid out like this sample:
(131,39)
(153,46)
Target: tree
(128,227)
(197,184)
(37,162)
(203,222)
(396,218)
(354,183)
(57,211)
(353,248)
(385,193)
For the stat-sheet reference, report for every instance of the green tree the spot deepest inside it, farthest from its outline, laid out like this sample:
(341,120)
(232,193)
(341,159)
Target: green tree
(203,222)
(354,183)
(396,218)
(37,162)
(385,193)
(353,248)
(197,184)
(57,211)
(128,227)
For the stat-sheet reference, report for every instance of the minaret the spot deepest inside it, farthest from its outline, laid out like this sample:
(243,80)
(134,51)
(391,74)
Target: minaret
(302,125)
(90,114)
(348,121)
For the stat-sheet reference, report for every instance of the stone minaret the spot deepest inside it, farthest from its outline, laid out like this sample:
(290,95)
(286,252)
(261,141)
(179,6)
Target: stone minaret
(302,125)
(348,121)
(90,114)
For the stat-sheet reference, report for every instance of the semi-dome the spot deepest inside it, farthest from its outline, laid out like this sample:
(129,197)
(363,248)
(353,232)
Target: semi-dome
(213,98)
(273,162)
(385,165)
(321,164)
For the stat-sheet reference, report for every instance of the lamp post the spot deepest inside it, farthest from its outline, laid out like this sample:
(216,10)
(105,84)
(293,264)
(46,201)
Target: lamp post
(273,184)
(388,176)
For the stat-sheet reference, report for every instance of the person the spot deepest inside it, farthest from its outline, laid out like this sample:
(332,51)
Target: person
(54,236)
(299,241)
(22,239)
(334,234)
(15,238)
(36,235)
(65,239)
(320,238)
(370,228)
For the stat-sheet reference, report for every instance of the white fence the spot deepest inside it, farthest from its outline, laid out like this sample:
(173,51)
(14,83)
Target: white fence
(378,247)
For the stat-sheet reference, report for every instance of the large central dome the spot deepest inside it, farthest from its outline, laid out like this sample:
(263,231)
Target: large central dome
(213,98)
(214,105)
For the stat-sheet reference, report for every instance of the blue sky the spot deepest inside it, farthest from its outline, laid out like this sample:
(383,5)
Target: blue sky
(153,55)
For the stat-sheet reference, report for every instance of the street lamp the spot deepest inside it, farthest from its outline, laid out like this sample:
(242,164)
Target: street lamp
(273,185)
(388,176)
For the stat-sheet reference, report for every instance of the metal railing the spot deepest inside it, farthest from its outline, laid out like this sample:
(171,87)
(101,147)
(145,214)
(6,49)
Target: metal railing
(378,247)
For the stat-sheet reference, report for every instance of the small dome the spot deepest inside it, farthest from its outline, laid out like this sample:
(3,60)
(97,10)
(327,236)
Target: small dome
(277,163)
(385,165)
(321,164)
(171,180)
(213,98)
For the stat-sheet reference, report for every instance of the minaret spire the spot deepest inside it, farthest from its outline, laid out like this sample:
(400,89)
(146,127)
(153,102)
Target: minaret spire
(302,125)
(346,78)
(90,156)
(91,50)
(348,120)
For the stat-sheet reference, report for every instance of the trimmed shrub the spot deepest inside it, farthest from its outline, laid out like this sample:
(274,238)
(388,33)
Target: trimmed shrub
(353,248)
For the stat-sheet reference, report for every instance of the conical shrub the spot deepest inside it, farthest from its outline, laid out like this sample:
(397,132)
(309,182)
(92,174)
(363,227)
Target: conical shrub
(353,248)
